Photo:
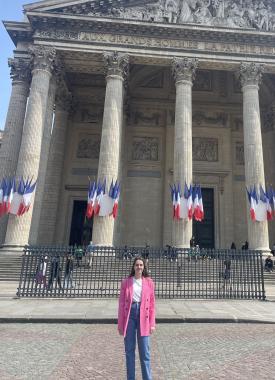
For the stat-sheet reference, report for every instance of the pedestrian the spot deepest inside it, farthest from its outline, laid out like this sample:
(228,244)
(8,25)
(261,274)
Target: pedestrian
(41,272)
(55,272)
(233,246)
(192,242)
(90,252)
(268,266)
(136,317)
(69,267)
(245,246)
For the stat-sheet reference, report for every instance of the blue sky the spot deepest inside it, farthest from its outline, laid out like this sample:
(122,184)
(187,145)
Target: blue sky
(11,11)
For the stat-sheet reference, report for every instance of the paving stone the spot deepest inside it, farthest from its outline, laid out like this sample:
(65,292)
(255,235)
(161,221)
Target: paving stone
(179,351)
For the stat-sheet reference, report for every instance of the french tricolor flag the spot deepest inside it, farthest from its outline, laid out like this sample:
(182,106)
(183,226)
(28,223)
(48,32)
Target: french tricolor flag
(17,198)
(269,196)
(3,190)
(201,214)
(196,206)
(253,200)
(115,196)
(27,197)
(177,204)
(91,199)
(9,196)
(99,194)
(190,203)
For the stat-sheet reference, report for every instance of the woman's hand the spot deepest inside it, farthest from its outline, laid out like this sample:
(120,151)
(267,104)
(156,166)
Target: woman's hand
(120,332)
(152,329)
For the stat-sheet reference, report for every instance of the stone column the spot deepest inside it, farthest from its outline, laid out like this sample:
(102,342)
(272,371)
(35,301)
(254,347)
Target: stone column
(250,76)
(20,74)
(183,70)
(110,147)
(40,189)
(52,189)
(31,146)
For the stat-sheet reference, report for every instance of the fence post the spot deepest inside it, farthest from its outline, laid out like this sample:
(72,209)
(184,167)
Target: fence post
(179,267)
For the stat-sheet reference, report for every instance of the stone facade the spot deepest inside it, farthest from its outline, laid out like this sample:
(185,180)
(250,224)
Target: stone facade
(151,94)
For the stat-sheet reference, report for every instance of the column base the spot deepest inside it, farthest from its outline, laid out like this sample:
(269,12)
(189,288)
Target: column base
(7,249)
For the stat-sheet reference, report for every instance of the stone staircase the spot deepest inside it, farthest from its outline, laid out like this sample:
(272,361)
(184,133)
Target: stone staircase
(10,267)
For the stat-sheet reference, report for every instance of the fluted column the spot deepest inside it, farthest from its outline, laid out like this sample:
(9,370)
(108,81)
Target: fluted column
(250,76)
(30,151)
(110,147)
(40,189)
(20,74)
(52,189)
(183,70)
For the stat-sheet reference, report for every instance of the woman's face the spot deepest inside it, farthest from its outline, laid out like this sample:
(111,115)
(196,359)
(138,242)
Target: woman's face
(139,266)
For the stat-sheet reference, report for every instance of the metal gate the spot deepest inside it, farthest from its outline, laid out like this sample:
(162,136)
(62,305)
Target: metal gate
(178,273)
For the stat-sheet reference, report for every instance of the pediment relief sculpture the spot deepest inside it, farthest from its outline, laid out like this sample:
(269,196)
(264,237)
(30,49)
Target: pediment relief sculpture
(258,14)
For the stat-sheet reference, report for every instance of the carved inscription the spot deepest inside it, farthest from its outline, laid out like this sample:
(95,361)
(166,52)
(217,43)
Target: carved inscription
(205,149)
(149,42)
(145,149)
(88,146)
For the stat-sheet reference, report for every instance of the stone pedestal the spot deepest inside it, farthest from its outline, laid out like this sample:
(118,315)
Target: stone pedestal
(183,71)
(110,147)
(250,75)
(31,146)
(9,152)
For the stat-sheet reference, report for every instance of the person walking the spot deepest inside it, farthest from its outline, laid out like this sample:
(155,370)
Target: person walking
(136,317)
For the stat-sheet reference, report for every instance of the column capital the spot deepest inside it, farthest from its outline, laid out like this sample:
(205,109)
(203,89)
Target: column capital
(184,69)
(43,58)
(251,73)
(20,69)
(116,64)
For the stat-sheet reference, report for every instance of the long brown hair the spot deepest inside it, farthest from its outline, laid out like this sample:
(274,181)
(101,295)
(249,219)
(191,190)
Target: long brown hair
(145,269)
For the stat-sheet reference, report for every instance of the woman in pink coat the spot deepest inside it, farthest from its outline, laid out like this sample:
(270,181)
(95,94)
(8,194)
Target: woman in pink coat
(136,317)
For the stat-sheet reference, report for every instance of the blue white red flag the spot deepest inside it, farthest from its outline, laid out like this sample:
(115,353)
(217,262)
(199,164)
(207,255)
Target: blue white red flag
(115,196)
(261,206)
(177,205)
(252,198)
(196,205)
(183,203)
(17,198)
(91,199)
(10,193)
(201,215)
(25,204)
(269,197)
(3,190)
(190,203)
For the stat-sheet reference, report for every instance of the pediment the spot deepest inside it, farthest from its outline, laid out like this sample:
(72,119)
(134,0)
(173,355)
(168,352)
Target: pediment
(255,14)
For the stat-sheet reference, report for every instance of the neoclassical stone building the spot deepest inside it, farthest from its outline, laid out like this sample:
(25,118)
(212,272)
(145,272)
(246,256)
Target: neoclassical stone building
(150,92)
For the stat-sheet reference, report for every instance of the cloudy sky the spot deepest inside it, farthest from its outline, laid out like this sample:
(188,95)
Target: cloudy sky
(10,10)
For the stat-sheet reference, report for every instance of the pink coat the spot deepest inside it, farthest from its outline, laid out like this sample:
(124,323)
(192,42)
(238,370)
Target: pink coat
(147,306)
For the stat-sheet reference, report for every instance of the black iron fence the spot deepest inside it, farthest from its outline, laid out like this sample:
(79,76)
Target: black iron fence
(177,273)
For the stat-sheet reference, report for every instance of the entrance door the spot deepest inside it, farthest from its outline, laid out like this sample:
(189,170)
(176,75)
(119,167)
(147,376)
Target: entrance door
(81,227)
(204,231)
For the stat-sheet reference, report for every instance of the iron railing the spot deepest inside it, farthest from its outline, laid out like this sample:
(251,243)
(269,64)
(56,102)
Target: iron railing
(177,273)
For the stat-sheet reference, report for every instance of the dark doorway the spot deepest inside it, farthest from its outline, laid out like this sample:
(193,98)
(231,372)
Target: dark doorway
(81,227)
(204,231)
